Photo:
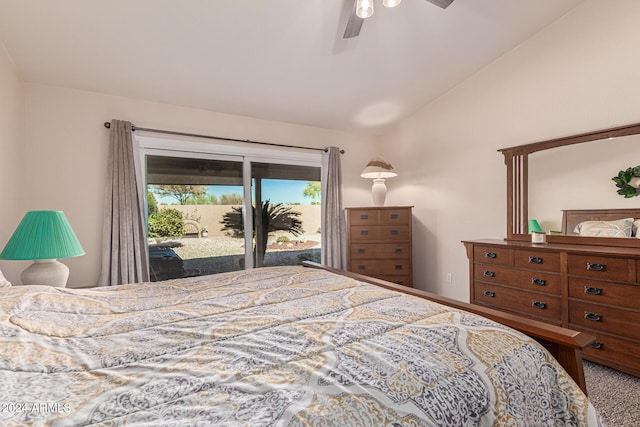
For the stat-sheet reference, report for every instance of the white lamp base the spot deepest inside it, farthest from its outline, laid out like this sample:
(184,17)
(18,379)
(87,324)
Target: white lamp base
(378,192)
(48,272)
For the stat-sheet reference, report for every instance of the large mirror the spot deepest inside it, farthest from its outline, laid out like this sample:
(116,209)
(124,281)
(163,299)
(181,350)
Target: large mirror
(579,177)
(569,173)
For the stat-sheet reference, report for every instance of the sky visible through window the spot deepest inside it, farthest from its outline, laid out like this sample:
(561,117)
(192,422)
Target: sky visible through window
(275,190)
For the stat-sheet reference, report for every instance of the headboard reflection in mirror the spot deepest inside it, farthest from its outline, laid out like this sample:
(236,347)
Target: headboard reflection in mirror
(572,173)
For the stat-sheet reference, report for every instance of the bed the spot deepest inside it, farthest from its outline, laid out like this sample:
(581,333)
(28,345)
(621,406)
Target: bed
(572,218)
(276,346)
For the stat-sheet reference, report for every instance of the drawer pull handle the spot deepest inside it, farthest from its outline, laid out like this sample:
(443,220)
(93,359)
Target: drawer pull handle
(364,232)
(597,345)
(491,255)
(535,260)
(398,250)
(539,282)
(539,304)
(489,294)
(364,216)
(394,232)
(488,273)
(592,291)
(596,267)
(362,251)
(400,282)
(362,267)
(592,316)
(397,267)
(393,216)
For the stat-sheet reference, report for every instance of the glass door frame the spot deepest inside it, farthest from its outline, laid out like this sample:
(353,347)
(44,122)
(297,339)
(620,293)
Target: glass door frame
(147,145)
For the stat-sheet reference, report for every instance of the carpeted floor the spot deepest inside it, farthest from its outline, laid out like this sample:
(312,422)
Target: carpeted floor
(615,395)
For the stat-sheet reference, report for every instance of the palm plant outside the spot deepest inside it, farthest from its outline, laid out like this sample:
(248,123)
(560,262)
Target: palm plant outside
(275,217)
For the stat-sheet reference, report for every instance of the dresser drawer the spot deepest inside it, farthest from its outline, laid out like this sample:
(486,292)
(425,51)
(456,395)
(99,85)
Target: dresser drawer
(527,280)
(375,268)
(546,307)
(627,296)
(380,250)
(602,268)
(492,255)
(537,260)
(610,347)
(607,319)
(383,232)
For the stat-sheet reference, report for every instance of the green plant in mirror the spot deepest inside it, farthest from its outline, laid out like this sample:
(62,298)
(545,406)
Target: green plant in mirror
(627,182)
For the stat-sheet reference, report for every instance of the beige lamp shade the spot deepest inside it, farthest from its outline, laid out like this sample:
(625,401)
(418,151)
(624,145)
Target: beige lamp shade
(378,168)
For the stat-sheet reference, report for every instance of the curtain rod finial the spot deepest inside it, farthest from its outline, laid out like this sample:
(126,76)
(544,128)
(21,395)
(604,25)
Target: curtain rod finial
(107,125)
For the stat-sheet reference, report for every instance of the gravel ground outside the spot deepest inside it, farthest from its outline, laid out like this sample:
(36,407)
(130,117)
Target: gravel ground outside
(212,255)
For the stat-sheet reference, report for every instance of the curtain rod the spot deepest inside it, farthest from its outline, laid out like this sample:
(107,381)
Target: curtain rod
(219,138)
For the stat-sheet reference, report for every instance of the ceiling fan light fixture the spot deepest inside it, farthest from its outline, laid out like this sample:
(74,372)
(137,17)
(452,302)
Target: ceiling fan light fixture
(364,8)
(390,3)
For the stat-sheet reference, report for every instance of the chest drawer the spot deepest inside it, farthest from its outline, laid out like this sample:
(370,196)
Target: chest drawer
(379,216)
(379,250)
(364,217)
(384,232)
(524,279)
(627,296)
(607,319)
(400,280)
(546,307)
(492,255)
(537,260)
(602,268)
(377,267)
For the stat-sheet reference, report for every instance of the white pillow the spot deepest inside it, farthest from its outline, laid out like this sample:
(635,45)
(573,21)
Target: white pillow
(616,228)
(4,283)
(636,225)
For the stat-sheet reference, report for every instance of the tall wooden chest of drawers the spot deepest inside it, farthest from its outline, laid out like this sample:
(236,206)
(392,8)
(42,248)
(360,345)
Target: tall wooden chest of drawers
(379,243)
(593,289)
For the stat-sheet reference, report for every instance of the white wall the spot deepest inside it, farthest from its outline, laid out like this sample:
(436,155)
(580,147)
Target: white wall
(12,125)
(67,154)
(576,75)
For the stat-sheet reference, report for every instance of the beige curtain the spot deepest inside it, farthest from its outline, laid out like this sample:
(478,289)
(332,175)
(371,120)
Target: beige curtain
(124,245)
(333,226)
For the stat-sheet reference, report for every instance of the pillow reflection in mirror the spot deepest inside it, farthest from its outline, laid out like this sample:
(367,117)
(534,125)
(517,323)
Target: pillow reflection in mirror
(617,228)
(4,283)
(636,225)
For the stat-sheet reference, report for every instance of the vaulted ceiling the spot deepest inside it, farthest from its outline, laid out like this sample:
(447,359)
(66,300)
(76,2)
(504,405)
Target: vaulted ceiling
(281,60)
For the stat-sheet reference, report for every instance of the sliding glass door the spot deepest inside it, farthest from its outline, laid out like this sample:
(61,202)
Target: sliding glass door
(288,198)
(198,205)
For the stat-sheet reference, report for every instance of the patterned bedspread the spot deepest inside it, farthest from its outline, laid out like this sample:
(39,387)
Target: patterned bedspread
(285,346)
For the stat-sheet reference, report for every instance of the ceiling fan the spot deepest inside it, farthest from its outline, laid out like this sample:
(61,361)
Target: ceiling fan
(363,9)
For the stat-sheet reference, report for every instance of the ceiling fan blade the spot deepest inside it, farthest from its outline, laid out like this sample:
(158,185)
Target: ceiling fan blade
(441,3)
(353,24)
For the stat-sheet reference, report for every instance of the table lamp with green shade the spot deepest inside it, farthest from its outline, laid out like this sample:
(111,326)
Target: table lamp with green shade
(534,226)
(43,237)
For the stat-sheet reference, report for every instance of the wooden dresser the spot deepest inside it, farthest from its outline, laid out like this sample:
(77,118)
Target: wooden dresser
(594,289)
(379,243)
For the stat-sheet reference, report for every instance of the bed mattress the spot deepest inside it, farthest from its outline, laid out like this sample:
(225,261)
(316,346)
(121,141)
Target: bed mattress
(278,346)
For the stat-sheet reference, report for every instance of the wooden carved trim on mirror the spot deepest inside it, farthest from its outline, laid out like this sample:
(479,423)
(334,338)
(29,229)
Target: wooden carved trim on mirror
(517,161)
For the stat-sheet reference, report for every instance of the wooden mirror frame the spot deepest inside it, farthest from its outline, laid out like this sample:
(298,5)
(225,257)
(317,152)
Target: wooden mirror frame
(517,161)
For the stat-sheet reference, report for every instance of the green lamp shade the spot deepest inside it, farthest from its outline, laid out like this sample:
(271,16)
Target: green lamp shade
(534,226)
(42,235)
